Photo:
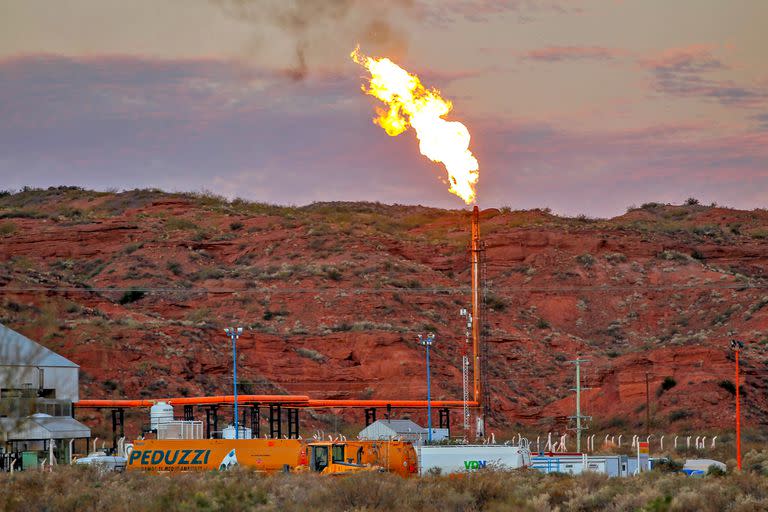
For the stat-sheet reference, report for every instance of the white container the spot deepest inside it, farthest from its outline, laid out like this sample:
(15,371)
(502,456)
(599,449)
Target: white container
(229,432)
(449,459)
(161,412)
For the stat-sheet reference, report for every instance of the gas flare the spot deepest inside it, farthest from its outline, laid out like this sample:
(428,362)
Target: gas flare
(411,104)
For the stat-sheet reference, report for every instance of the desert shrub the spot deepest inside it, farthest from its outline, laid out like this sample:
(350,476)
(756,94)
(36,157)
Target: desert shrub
(7,228)
(333,274)
(236,226)
(678,415)
(668,383)
(728,386)
(174,267)
(131,296)
(179,223)
(495,302)
(586,260)
(691,201)
(615,257)
(542,324)
(670,255)
(314,355)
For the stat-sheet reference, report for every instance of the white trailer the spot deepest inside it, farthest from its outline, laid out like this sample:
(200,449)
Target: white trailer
(447,459)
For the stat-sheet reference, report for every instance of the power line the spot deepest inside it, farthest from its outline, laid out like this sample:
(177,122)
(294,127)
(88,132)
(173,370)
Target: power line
(439,290)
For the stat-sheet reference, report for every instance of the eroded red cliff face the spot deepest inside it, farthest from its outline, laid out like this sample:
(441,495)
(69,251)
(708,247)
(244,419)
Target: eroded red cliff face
(333,295)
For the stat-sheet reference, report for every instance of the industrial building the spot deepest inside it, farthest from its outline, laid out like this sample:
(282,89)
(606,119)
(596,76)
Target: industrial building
(405,430)
(37,388)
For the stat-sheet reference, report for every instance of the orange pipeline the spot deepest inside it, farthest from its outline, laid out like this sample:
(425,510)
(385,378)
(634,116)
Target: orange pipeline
(198,400)
(288,400)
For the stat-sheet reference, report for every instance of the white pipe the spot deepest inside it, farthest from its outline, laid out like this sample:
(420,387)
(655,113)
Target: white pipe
(688,442)
(634,440)
(538,438)
(613,440)
(620,436)
(713,441)
(13,465)
(676,442)
(703,442)
(697,441)
(94,443)
(549,441)
(605,441)
(661,443)
(71,444)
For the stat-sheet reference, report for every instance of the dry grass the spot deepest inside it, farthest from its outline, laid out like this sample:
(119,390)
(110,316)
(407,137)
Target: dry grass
(74,488)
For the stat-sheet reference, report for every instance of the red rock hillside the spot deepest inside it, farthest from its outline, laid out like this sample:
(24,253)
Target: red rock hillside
(136,286)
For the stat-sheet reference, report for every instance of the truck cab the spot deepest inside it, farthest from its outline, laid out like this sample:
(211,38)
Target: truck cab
(331,458)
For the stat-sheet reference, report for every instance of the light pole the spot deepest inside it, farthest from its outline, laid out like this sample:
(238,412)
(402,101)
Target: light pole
(234,333)
(736,346)
(427,342)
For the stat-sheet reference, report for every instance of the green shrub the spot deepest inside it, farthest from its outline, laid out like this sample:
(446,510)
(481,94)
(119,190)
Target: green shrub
(174,267)
(179,223)
(236,226)
(668,383)
(7,228)
(131,296)
(678,415)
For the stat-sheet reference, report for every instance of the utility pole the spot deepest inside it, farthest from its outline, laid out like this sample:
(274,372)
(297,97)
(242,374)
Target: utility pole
(737,345)
(578,389)
(647,406)
(234,333)
(426,342)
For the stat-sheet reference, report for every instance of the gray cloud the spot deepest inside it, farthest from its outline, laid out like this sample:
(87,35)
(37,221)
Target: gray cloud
(312,26)
(685,73)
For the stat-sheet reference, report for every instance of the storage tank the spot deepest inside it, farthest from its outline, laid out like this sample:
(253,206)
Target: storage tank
(229,432)
(161,412)
(464,458)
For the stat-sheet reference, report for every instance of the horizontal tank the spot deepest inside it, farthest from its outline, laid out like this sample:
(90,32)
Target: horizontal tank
(447,459)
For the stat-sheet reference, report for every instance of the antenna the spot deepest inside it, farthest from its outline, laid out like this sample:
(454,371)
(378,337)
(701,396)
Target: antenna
(578,417)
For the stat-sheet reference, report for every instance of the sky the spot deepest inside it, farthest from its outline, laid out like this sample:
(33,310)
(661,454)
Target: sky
(582,106)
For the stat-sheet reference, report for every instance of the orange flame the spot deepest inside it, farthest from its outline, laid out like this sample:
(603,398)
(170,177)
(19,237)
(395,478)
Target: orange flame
(411,104)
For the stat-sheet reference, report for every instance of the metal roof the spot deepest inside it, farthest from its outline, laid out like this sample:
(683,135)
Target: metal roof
(43,426)
(18,350)
(400,426)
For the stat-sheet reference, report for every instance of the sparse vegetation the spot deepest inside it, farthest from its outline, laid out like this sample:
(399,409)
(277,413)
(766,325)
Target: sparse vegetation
(586,260)
(7,228)
(68,488)
(314,355)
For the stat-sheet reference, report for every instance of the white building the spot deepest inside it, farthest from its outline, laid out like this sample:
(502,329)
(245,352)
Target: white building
(26,365)
(405,430)
(37,388)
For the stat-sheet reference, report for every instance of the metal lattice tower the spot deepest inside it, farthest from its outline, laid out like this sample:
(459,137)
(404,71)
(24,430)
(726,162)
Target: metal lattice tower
(465,370)
(465,384)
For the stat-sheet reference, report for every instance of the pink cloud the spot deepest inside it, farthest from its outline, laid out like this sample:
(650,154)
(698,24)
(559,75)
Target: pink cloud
(695,57)
(561,53)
